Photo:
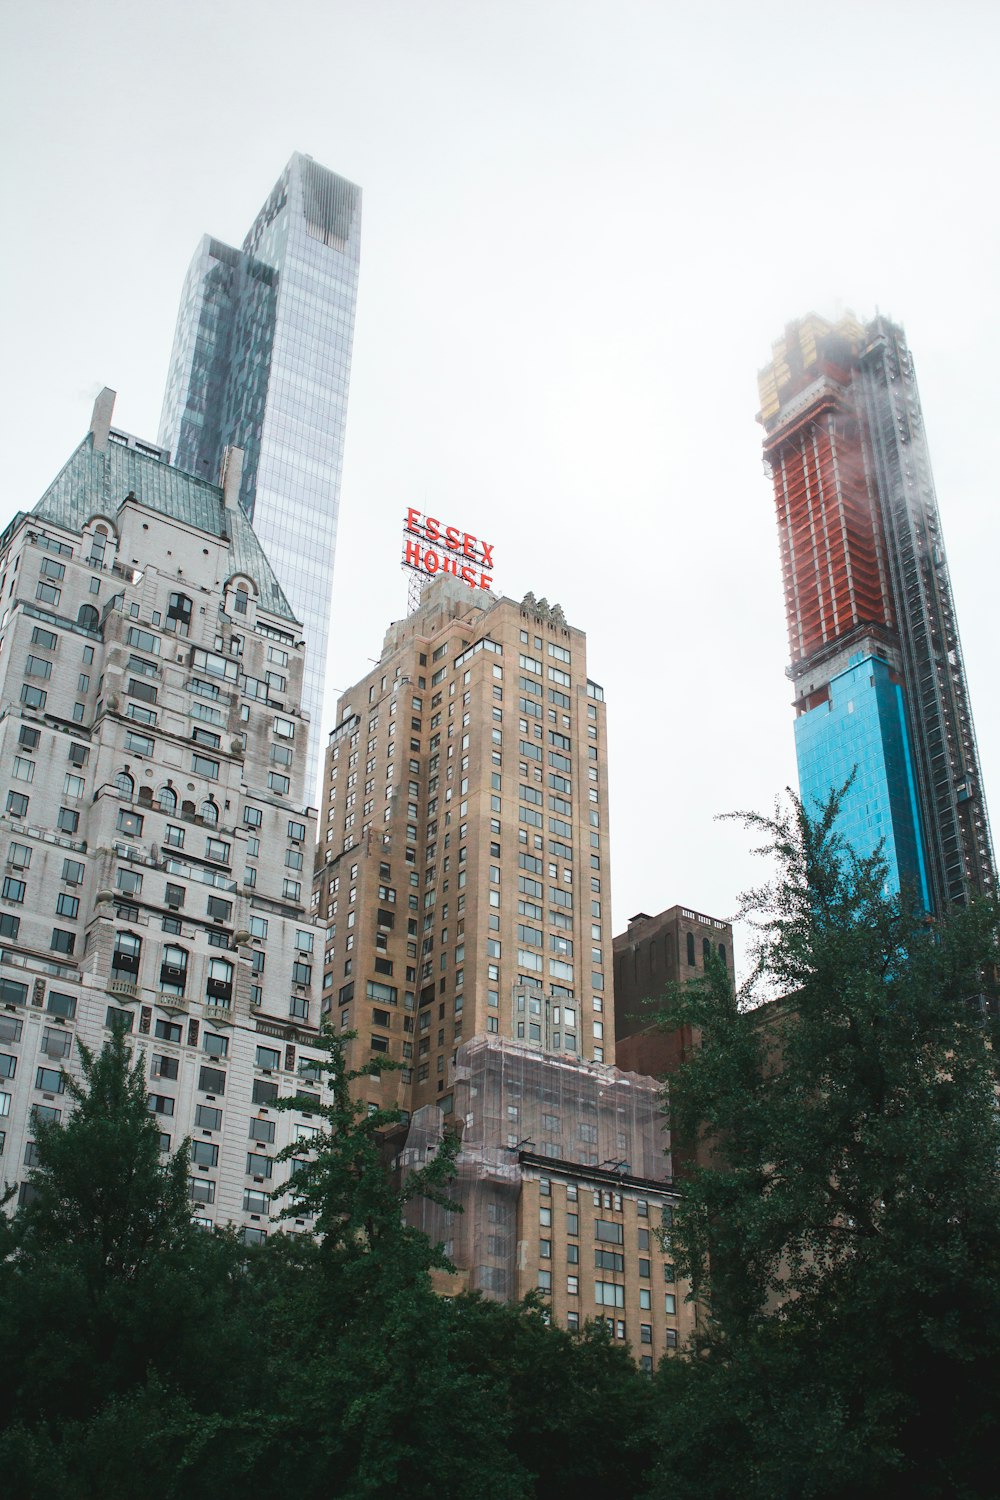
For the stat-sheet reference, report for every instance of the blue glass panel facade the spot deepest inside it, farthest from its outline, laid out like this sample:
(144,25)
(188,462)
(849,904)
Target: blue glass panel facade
(862,728)
(261,361)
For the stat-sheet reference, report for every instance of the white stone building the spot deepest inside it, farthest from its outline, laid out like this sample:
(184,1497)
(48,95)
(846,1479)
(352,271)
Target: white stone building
(155,844)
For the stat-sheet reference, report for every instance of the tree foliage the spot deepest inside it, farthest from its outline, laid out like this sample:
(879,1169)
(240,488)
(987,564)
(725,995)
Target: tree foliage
(843,1226)
(842,1234)
(318,1365)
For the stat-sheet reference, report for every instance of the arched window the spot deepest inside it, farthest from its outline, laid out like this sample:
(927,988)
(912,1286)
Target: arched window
(219,990)
(173,970)
(706,950)
(178,614)
(124,785)
(690,948)
(722,954)
(241,598)
(88,617)
(125,959)
(166,799)
(98,544)
(210,811)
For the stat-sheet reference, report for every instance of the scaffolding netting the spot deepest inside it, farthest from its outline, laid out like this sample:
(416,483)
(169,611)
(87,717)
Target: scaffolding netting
(509,1100)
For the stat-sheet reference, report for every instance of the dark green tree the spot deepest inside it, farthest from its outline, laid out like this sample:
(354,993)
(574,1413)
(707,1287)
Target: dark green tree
(101,1211)
(373,1403)
(101,1183)
(126,1350)
(141,1350)
(844,1237)
(577,1411)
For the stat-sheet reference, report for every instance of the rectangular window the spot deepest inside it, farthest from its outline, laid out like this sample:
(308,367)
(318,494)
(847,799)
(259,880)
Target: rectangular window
(57,1004)
(609,1260)
(214,665)
(609,1294)
(50,1081)
(13,890)
(204,1153)
(212,1081)
(143,640)
(146,692)
(207,1118)
(160,1104)
(141,715)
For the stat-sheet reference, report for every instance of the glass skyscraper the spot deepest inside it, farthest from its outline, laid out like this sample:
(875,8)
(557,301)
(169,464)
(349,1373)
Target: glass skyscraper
(876,661)
(860,731)
(261,361)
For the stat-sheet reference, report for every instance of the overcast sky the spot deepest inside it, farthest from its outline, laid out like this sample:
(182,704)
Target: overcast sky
(584,225)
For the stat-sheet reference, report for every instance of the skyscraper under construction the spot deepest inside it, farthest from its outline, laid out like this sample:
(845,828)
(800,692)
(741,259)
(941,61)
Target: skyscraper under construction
(876,662)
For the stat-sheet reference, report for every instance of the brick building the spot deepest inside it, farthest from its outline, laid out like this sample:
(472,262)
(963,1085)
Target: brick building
(464,876)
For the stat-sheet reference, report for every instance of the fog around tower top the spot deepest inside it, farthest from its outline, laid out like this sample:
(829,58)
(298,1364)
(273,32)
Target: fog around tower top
(584,227)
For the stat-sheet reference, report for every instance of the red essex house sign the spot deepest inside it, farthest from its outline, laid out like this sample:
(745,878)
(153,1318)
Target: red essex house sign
(452,551)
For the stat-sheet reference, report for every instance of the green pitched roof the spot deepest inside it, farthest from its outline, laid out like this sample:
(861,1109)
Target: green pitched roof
(99,482)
